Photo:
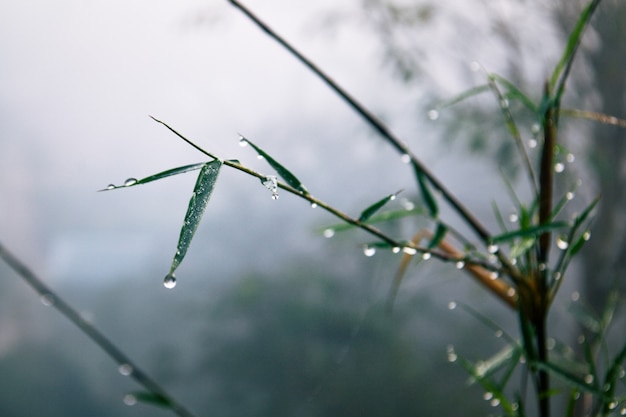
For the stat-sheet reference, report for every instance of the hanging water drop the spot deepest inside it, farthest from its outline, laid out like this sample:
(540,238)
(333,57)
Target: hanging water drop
(570,158)
(504,103)
(395,249)
(487,396)
(492,248)
(493,275)
(511,292)
(409,251)
(559,167)
(433,114)
(575,296)
(110,187)
(125,369)
(259,156)
(407,204)
(532,143)
(130,181)
(451,305)
(313,205)
(426,256)
(460,265)
(47,299)
(588,378)
(623,411)
(569,195)
(271,183)
(452,356)
(170,281)
(369,251)
(498,333)
(129,399)
(495,402)
(535,128)
(513,217)
(328,233)
(561,242)
(243,142)
(587,235)
(405,158)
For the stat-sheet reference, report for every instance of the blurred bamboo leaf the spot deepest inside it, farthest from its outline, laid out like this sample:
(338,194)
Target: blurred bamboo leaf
(151,398)
(528,232)
(371,210)
(131,182)
(429,199)
(440,234)
(377,218)
(197,205)
(284,173)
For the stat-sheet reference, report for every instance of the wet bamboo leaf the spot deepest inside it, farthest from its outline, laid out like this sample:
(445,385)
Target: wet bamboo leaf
(197,205)
(429,199)
(529,232)
(377,218)
(516,93)
(151,398)
(464,96)
(521,247)
(371,210)
(440,234)
(131,182)
(284,173)
(572,379)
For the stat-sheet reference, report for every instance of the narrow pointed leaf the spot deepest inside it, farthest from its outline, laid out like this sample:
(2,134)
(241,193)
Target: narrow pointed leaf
(440,234)
(515,92)
(528,232)
(369,212)
(429,199)
(376,218)
(159,176)
(284,173)
(197,204)
(151,398)
(474,91)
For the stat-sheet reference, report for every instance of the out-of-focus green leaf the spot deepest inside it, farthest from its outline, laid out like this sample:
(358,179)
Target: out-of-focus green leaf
(369,212)
(528,232)
(377,218)
(514,92)
(284,173)
(174,171)
(570,378)
(150,398)
(464,96)
(520,248)
(440,234)
(429,199)
(197,205)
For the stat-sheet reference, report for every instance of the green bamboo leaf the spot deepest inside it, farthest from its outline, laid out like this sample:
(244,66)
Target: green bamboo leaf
(131,182)
(151,398)
(284,173)
(371,210)
(197,205)
(529,232)
(521,247)
(429,199)
(571,378)
(377,218)
(514,92)
(474,91)
(440,234)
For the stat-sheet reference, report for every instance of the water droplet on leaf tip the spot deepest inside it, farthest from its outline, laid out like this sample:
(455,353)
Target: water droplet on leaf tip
(243,142)
(405,158)
(460,265)
(274,196)
(369,251)
(47,300)
(130,181)
(110,186)
(328,233)
(129,399)
(426,256)
(392,197)
(532,143)
(125,369)
(433,114)
(170,281)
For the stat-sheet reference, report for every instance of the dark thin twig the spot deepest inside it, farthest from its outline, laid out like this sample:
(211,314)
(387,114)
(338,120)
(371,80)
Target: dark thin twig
(93,333)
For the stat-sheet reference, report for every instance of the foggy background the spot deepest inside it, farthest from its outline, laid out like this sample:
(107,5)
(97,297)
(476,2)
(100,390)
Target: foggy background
(77,83)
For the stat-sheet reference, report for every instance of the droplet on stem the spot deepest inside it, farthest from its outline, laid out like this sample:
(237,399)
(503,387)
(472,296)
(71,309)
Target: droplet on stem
(271,183)
(532,143)
(125,369)
(513,217)
(405,158)
(409,251)
(313,205)
(369,251)
(47,299)
(460,265)
(433,114)
(492,248)
(170,281)
(561,242)
(243,142)
(130,181)
(129,399)
(426,256)
(110,186)
(395,249)
(451,305)
(570,158)
(559,167)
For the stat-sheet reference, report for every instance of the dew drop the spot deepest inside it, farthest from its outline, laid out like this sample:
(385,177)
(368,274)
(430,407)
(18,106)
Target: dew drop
(557,276)
(575,296)
(426,256)
(569,195)
(493,275)
(47,299)
(313,205)
(243,142)
(588,378)
(407,204)
(328,233)
(559,167)
(551,343)
(369,251)
(513,218)
(259,156)
(129,399)
(110,186)
(570,158)
(561,242)
(170,281)
(542,266)
(532,143)
(623,411)
(130,181)
(451,305)
(271,183)
(487,396)
(460,265)
(504,103)
(492,248)
(125,369)
(409,251)
(587,235)
(511,292)
(405,158)
(622,373)
(474,66)
(452,356)
(433,114)
(395,249)
(499,333)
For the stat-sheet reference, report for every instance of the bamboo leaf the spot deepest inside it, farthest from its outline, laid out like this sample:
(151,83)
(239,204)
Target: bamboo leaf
(371,210)
(151,398)
(131,182)
(284,173)
(440,234)
(529,232)
(376,218)
(429,199)
(197,205)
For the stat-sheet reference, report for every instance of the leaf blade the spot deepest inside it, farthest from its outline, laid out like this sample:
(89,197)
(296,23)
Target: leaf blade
(158,176)
(371,210)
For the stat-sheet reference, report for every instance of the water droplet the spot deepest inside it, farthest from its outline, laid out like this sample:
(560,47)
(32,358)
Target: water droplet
(492,248)
(532,143)
(588,378)
(393,197)
(125,369)
(426,256)
(433,114)
(542,266)
(511,292)
(313,205)
(110,186)
(570,158)
(587,235)
(129,399)
(243,142)
(493,275)
(495,402)
(559,167)
(581,339)
(47,299)
(271,183)
(622,373)
(575,296)
(623,411)
(328,233)
(170,281)
(407,204)
(452,356)
(535,128)
(130,181)
(499,333)
(460,265)
(451,305)
(474,66)
(504,103)
(395,249)
(551,343)
(569,195)
(557,276)
(561,242)
(487,396)
(607,388)
(513,218)
(405,158)
(369,251)
(409,251)
(259,156)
